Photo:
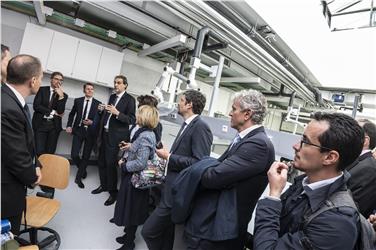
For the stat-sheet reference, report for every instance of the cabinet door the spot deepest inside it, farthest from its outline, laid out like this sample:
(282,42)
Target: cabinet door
(109,66)
(87,61)
(37,42)
(62,54)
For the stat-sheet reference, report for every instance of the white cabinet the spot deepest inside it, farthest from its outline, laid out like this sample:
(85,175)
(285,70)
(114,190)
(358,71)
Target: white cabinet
(74,58)
(62,54)
(87,61)
(37,42)
(109,66)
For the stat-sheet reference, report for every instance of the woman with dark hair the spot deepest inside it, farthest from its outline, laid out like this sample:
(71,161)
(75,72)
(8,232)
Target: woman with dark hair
(131,207)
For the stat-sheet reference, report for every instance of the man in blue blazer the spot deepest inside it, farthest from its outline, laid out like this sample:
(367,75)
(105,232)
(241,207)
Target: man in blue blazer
(18,168)
(114,123)
(83,113)
(192,143)
(243,166)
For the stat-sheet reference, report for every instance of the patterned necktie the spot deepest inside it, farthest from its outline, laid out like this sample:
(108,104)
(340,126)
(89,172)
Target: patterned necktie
(235,141)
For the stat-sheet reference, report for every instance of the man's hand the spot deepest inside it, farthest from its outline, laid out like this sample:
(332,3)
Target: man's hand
(69,130)
(112,109)
(59,91)
(163,153)
(87,122)
(277,176)
(39,174)
(121,161)
(372,220)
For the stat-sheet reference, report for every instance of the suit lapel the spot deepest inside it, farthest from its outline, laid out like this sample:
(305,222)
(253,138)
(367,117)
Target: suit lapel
(93,109)
(230,150)
(176,143)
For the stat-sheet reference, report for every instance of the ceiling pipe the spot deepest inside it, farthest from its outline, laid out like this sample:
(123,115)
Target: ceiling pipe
(199,11)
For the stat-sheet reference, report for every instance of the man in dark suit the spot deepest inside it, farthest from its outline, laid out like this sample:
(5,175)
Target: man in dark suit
(83,113)
(192,143)
(243,166)
(115,119)
(363,172)
(18,168)
(49,106)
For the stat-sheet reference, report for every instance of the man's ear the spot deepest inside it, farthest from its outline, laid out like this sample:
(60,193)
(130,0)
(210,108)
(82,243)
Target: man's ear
(248,114)
(32,81)
(331,158)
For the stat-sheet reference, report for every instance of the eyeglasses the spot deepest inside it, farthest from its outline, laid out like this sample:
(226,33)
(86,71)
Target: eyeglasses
(305,141)
(58,79)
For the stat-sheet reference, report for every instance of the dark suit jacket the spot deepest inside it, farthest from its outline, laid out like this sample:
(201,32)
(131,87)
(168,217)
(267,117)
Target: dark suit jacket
(119,126)
(17,153)
(76,114)
(191,146)
(244,166)
(40,105)
(363,183)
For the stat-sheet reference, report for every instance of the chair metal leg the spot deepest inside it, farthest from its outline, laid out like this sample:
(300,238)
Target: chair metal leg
(33,234)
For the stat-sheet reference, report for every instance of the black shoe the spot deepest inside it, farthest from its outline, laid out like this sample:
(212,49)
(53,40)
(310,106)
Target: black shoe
(79,183)
(121,239)
(127,247)
(84,175)
(111,200)
(112,220)
(98,190)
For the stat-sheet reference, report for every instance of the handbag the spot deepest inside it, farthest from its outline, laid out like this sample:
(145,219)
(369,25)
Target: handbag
(153,175)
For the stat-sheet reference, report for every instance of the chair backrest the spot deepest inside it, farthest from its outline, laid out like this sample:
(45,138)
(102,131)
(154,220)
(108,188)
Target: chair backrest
(55,171)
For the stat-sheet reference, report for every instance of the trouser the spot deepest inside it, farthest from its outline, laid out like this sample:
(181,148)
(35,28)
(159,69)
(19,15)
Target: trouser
(46,137)
(107,164)
(88,142)
(158,230)
(130,235)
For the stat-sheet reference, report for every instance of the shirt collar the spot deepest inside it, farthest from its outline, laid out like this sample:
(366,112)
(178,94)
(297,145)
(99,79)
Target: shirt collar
(90,98)
(319,184)
(365,151)
(190,119)
(18,95)
(120,95)
(51,89)
(247,130)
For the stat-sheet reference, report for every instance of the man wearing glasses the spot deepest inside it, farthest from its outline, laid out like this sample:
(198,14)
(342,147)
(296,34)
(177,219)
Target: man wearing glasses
(49,106)
(329,144)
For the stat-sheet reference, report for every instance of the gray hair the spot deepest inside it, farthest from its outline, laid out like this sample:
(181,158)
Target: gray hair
(252,100)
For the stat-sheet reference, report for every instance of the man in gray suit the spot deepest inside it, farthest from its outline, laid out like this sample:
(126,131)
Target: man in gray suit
(243,167)
(192,143)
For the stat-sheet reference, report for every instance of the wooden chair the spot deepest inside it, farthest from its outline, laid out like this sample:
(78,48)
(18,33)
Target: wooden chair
(40,210)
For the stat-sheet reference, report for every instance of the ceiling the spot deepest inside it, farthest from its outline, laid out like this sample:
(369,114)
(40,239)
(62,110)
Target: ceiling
(254,49)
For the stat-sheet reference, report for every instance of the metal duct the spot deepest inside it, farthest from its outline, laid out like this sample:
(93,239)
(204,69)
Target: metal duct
(200,12)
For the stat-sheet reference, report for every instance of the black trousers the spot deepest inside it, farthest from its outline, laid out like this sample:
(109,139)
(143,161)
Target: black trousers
(15,222)
(158,230)
(194,243)
(81,138)
(107,164)
(46,137)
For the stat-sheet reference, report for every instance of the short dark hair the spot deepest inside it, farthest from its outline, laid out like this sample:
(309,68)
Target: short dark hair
(147,100)
(197,99)
(22,68)
(88,84)
(57,73)
(125,82)
(344,135)
(370,129)
(4,48)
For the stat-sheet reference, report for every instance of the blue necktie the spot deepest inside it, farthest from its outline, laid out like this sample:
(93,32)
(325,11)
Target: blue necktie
(235,141)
